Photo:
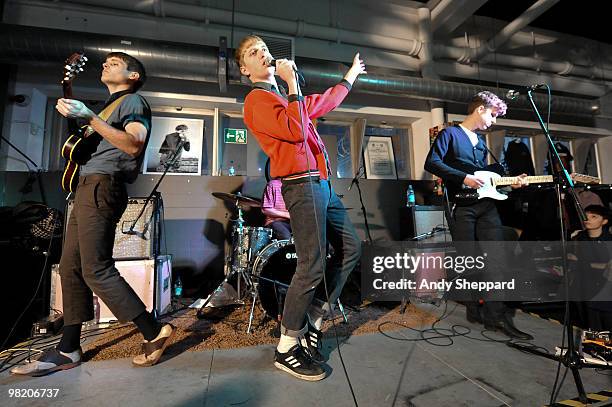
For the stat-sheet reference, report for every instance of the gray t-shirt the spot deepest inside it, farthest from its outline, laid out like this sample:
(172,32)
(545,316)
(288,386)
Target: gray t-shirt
(110,160)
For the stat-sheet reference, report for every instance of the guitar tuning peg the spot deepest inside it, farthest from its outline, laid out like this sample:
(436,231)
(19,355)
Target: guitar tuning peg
(67,67)
(85,58)
(80,69)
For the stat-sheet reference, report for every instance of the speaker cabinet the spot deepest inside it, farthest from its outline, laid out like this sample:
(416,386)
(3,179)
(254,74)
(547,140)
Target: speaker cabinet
(142,242)
(418,220)
(150,279)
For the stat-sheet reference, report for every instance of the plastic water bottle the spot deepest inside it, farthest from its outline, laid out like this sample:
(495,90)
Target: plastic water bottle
(410,200)
(178,287)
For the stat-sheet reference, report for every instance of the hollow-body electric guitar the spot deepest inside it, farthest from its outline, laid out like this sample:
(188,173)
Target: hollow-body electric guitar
(78,147)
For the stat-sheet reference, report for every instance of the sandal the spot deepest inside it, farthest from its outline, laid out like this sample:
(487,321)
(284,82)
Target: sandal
(155,348)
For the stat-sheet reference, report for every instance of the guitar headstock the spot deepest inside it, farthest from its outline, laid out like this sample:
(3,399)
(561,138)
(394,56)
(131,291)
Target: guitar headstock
(585,179)
(72,67)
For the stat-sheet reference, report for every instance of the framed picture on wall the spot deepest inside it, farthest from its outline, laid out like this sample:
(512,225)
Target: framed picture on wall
(379,158)
(175,142)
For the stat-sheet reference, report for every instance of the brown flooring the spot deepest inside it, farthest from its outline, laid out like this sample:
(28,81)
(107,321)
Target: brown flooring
(229,331)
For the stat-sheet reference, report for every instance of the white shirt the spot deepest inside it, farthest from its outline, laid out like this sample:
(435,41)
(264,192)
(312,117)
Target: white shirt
(473,136)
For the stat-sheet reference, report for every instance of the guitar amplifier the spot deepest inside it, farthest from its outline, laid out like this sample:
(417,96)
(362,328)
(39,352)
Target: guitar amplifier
(421,219)
(143,241)
(150,279)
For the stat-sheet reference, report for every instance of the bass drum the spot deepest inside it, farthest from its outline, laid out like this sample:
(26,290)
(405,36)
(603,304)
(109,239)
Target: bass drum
(274,267)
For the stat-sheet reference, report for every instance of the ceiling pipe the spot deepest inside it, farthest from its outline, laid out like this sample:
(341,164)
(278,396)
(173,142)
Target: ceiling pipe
(299,28)
(199,63)
(426,38)
(447,15)
(533,12)
(562,68)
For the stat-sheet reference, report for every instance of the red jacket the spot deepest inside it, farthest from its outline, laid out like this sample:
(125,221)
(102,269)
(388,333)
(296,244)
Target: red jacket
(275,122)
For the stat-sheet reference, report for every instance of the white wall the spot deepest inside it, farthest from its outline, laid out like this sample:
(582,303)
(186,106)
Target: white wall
(26,129)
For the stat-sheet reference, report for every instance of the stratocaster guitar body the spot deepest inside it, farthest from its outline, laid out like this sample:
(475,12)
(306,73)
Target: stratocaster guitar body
(493,180)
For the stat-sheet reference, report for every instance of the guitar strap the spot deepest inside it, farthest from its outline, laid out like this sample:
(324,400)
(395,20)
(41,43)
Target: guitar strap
(502,167)
(108,110)
(492,155)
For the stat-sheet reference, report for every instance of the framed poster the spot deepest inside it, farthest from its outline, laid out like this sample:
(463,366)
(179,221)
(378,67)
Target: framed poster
(379,158)
(167,134)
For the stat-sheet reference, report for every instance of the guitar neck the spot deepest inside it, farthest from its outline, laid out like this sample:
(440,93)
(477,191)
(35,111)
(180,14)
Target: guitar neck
(73,125)
(541,179)
(536,179)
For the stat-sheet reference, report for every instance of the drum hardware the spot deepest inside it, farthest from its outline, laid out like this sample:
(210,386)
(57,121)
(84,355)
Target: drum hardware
(266,266)
(238,199)
(241,254)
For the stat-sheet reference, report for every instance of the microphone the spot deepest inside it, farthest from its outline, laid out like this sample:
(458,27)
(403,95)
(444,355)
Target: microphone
(514,94)
(272,62)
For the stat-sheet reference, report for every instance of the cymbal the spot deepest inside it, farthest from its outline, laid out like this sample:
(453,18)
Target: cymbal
(242,200)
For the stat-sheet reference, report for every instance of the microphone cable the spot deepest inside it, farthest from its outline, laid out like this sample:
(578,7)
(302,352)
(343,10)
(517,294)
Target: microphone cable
(322,248)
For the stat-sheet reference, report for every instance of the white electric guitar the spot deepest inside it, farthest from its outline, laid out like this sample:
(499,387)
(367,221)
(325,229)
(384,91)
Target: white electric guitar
(493,180)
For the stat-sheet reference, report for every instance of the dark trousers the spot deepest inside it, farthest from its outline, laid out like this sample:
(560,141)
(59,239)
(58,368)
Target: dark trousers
(281,229)
(87,258)
(304,201)
(480,222)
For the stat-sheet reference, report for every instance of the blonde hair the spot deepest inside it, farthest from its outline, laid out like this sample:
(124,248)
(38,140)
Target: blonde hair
(244,44)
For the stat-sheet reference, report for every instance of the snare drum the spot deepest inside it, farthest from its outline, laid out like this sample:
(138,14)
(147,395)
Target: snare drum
(247,242)
(275,266)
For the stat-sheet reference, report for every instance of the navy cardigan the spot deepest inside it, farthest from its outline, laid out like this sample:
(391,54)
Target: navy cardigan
(452,157)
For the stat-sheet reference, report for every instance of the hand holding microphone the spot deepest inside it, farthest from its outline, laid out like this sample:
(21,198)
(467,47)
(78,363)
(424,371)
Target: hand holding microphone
(286,69)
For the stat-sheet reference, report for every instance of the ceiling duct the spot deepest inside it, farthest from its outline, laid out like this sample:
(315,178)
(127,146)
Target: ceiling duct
(19,44)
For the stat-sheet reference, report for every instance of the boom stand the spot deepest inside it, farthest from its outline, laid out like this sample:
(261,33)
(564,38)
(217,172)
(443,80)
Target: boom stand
(154,192)
(571,358)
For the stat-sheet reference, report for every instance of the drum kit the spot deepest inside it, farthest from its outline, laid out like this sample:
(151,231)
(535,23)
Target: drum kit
(264,265)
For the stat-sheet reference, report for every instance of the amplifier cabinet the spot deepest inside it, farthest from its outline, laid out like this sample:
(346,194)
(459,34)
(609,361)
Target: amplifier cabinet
(150,279)
(143,241)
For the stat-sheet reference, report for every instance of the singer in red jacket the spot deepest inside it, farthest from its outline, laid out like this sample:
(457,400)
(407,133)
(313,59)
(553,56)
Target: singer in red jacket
(284,129)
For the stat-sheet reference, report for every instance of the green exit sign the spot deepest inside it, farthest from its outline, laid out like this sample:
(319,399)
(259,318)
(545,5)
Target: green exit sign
(236,136)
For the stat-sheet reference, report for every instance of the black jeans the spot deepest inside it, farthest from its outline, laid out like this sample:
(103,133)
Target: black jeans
(87,258)
(317,217)
(281,229)
(480,222)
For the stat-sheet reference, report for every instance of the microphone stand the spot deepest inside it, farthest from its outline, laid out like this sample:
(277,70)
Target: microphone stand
(571,358)
(154,192)
(360,172)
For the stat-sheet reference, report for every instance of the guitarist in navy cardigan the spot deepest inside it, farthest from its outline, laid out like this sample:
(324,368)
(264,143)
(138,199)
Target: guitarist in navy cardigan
(457,152)
(87,257)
